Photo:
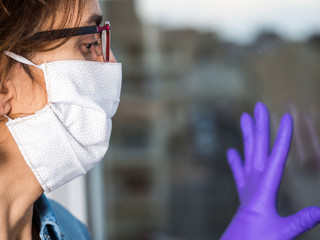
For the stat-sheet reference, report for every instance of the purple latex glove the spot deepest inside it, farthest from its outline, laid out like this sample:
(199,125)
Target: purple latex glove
(258,180)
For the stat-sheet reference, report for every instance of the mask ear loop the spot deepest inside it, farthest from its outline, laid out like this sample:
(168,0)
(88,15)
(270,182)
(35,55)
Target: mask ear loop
(7,117)
(20,59)
(23,60)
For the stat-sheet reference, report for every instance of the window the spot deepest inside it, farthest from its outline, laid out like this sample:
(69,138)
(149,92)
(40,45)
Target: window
(190,70)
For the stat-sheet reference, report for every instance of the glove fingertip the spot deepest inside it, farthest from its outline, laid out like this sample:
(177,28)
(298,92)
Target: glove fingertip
(314,214)
(305,219)
(231,154)
(287,119)
(244,117)
(246,121)
(233,157)
(260,111)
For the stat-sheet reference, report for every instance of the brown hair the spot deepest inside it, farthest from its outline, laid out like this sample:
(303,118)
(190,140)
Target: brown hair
(21,19)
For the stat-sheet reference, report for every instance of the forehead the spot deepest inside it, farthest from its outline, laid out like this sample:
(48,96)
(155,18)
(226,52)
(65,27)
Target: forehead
(70,18)
(91,12)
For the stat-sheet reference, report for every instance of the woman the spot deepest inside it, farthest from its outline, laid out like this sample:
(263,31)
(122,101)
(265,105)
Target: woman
(60,86)
(55,114)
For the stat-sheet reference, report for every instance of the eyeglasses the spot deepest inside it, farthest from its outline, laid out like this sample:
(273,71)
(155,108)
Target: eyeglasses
(102,46)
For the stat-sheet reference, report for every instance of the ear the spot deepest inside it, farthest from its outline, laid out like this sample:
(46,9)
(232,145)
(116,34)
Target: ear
(5,98)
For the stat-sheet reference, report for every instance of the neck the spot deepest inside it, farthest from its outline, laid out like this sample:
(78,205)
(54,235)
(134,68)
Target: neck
(19,189)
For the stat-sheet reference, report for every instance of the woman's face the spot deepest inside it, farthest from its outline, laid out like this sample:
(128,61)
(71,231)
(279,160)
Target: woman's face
(28,96)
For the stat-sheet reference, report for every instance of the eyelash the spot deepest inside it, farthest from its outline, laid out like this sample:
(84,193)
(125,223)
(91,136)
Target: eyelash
(88,46)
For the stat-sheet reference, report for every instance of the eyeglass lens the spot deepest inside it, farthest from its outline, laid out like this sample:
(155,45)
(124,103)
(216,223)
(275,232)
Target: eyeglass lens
(102,47)
(105,37)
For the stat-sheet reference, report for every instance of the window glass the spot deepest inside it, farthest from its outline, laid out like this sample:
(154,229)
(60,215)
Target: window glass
(190,68)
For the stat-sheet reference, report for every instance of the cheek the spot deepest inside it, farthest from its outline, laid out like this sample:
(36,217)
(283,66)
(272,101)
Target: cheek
(68,51)
(39,91)
(29,95)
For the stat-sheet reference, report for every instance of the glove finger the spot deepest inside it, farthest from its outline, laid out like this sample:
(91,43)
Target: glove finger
(261,145)
(247,127)
(279,154)
(237,169)
(300,222)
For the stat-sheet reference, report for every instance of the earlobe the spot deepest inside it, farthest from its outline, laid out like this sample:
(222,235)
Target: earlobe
(5,100)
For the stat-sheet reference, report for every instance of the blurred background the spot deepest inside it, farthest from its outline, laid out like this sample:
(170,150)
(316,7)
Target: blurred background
(190,68)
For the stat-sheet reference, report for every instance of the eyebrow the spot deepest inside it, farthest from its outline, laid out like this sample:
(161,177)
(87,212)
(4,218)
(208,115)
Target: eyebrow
(94,18)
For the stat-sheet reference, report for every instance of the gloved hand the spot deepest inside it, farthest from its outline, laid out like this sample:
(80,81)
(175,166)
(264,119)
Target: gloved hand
(258,180)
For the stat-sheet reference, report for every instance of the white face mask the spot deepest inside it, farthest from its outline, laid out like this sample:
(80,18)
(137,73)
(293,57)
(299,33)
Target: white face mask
(71,134)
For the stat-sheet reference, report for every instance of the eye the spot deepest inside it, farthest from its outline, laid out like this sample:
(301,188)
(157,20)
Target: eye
(89,45)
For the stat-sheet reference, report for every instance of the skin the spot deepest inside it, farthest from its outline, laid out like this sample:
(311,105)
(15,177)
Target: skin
(19,188)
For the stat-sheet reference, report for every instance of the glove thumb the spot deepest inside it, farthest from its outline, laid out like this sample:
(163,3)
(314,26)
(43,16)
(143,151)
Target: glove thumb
(301,222)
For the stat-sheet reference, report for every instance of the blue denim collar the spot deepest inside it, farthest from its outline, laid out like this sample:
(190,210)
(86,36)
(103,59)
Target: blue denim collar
(45,219)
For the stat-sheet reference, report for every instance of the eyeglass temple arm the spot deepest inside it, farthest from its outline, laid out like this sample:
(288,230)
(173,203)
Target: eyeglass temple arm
(63,33)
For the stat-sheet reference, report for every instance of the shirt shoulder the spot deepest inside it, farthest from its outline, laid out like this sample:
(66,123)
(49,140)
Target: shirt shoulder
(71,228)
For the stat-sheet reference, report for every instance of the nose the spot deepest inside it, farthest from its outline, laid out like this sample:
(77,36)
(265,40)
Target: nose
(112,58)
